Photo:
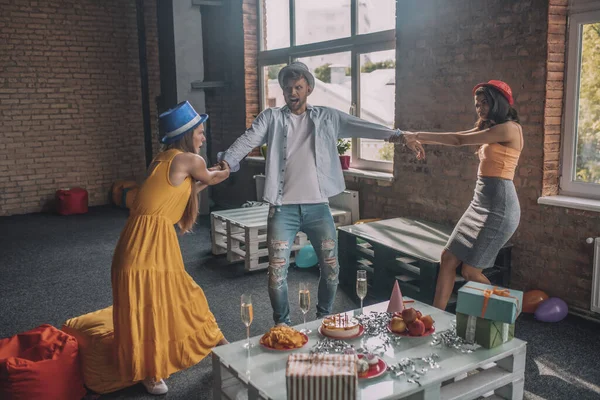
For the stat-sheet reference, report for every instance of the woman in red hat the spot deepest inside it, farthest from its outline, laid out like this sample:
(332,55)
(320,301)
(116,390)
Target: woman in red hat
(494,212)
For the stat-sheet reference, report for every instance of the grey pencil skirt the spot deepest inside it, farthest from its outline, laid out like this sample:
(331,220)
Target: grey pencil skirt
(489,222)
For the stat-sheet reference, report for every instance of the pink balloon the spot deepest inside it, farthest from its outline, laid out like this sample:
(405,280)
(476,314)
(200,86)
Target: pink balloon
(552,310)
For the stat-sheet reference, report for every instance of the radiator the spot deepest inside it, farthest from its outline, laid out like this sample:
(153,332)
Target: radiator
(347,200)
(595,307)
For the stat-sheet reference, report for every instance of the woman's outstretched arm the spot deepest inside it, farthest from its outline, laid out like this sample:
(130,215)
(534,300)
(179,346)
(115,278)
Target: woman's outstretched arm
(496,134)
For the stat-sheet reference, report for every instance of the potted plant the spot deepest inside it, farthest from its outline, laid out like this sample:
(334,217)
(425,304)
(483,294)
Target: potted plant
(343,145)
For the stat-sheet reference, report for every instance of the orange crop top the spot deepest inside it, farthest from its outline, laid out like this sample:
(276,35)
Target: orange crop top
(498,161)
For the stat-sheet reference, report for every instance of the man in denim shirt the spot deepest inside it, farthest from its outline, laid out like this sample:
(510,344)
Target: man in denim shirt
(302,171)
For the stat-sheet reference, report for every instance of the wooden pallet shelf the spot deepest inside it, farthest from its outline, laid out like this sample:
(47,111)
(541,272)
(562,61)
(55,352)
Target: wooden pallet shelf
(406,251)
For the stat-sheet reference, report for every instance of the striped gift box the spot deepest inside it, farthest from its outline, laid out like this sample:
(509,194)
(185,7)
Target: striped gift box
(321,377)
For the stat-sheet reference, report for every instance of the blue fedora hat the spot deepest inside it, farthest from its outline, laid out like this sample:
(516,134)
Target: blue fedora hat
(178,120)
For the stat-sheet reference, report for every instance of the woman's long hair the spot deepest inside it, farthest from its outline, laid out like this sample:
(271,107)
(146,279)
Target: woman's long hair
(190,214)
(500,110)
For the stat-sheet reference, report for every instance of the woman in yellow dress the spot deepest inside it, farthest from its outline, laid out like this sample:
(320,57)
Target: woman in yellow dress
(161,317)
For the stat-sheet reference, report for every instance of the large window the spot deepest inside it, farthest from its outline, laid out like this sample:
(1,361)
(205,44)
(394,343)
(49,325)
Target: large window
(349,45)
(581,149)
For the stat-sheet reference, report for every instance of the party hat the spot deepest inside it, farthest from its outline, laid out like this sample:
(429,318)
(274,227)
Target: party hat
(396,303)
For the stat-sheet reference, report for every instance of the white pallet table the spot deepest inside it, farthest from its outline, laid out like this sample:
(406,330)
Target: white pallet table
(241,233)
(489,373)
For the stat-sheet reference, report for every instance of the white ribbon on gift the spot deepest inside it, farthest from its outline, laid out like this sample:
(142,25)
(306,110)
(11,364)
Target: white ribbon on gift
(471,328)
(505,330)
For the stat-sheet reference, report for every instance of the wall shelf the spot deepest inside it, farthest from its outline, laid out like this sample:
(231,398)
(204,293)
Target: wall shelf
(207,2)
(200,85)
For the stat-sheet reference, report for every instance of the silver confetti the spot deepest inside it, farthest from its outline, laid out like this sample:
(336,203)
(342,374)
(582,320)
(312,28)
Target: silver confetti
(413,369)
(450,339)
(332,346)
(375,325)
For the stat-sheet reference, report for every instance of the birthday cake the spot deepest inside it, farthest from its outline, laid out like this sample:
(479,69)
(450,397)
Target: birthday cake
(340,326)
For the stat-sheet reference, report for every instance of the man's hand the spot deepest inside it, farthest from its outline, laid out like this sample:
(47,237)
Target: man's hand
(410,139)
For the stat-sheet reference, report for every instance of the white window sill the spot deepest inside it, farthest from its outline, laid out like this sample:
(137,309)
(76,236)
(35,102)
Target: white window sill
(376,175)
(352,172)
(578,203)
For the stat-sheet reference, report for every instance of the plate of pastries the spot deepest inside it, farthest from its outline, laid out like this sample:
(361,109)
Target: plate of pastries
(283,338)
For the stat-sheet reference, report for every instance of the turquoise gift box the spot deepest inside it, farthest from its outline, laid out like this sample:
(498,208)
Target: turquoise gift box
(503,305)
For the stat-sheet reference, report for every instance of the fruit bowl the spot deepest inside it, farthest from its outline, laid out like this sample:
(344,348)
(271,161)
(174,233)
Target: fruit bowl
(407,333)
(411,323)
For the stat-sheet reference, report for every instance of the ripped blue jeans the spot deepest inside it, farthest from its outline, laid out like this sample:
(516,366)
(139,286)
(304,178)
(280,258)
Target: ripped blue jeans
(284,223)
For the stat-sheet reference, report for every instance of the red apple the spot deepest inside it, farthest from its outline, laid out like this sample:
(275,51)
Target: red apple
(427,321)
(416,328)
(419,315)
(409,315)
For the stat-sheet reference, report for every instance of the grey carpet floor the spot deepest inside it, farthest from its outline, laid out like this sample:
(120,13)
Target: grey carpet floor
(53,268)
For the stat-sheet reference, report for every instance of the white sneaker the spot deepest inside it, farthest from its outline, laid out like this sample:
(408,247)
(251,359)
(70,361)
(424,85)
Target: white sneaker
(154,387)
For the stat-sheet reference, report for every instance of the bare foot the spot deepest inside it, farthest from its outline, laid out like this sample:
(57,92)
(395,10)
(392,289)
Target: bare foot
(222,342)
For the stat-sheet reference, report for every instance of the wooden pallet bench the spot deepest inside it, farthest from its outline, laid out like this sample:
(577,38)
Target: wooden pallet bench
(241,233)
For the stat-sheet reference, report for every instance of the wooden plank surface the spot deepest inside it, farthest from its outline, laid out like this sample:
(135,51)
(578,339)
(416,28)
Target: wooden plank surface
(420,239)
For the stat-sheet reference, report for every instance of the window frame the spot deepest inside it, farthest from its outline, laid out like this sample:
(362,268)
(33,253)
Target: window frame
(568,186)
(356,44)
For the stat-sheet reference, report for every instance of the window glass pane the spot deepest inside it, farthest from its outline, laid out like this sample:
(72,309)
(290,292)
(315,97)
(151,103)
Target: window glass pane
(276,20)
(376,15)
(273,95)
(333,83)
(320,20)
(588,121)
(377,98)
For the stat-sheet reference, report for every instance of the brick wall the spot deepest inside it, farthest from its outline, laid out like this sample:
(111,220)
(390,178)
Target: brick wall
(70,98)
(444,48)
(553,111)
(250,62)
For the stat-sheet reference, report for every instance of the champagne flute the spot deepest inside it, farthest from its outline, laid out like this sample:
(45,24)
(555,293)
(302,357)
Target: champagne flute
(247,314)
(304,299)
(361,286)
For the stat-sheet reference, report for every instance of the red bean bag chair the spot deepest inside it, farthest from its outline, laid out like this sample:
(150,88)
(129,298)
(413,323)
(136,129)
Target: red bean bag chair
(72,201)
(41,363)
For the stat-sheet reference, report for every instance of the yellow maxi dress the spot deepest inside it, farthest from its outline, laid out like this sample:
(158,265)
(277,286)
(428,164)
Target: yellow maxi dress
(161,317)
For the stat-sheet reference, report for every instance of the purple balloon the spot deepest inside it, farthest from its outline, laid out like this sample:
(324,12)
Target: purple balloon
(552,310)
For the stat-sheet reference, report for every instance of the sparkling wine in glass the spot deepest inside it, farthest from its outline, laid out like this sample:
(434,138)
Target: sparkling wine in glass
(304,299)
(361,286)
(247,314)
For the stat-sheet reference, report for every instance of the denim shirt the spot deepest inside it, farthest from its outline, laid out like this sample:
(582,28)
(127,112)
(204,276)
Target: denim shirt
(271,127)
